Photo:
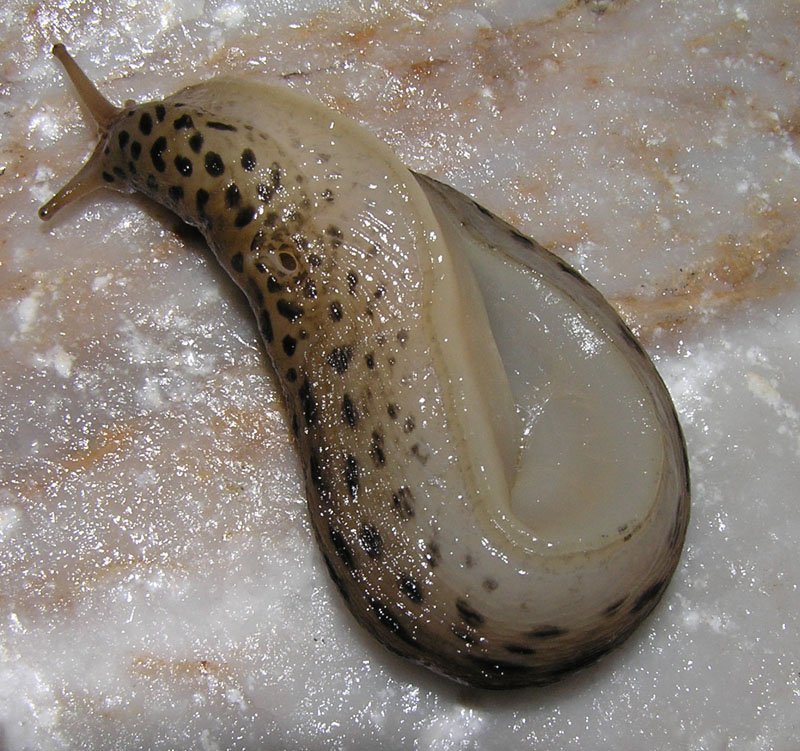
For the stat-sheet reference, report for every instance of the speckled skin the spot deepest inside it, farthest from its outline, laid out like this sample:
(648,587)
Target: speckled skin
(341,290)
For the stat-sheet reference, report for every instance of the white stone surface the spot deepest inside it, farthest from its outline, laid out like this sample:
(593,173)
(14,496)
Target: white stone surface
(159,585)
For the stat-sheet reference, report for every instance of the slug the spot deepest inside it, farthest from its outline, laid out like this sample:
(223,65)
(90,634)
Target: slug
(495,471)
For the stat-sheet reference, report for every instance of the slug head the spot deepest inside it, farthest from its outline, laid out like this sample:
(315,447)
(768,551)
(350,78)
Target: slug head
(96,172)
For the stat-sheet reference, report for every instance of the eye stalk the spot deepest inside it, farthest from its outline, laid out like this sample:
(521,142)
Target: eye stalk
(89,178)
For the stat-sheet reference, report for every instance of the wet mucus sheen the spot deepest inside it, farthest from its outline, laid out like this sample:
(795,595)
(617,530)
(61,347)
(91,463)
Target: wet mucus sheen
(338,278)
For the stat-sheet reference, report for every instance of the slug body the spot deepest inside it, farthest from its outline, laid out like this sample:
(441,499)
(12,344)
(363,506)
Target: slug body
(392,309)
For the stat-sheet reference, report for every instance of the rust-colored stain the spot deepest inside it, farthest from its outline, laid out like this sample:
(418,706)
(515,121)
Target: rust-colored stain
(197,672)
(737,271)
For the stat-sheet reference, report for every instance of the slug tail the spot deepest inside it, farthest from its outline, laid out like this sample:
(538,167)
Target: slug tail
(103,112)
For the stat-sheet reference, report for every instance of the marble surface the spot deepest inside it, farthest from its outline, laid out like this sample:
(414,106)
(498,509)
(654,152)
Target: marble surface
(159,585)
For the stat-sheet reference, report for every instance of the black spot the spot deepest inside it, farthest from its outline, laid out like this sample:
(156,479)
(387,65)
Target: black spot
(132,167)
(256,244)
(107,150)
(201,199)
(136,149)
(465,636)
(275,172)
(524,239)
(411,589)
(289,345)
(469,562)
(336,311)
(264,192)
(248,160)
(196,142)
(175,192)
(237,262)
(123,138)
(232,196)
(273,285)
(245,216)
(402,337)
(185,121)
(385,616)
(310,290)
(339,359)
(417,452)
(471,616)
(371,540)
(308,403)
(161,112)
(351,475)
(349,411)
(314,260)
(518,649)
(433,555)
(220,126)
(327,194)
(342,549)
(490,585)
(108,177)
(265,324)
(255,289)
(392,410)
(648,596)
(572,272)
(152,183)
(376,450)
(183,165)
(316,474)
(409,425)
(291,375)
(403,501)
(352,282)
(370,360)
(214,164)
(295,424)
(146,123)
(547,632)
(483,210)
(291,311)
(119,172)
(380,292)
(156,150)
